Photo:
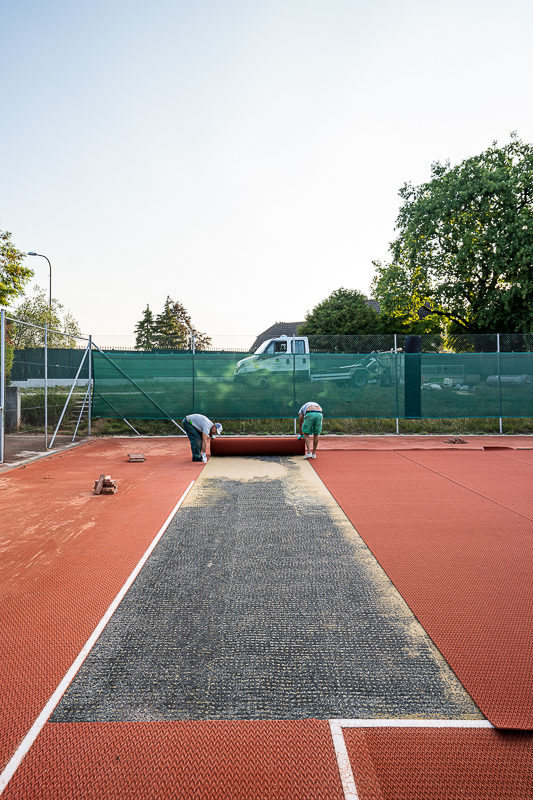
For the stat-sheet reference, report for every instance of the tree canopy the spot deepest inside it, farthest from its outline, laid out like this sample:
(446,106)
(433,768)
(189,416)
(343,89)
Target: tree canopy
(171,329)
(63,328)
(13,274)
(344,312)
(464,251)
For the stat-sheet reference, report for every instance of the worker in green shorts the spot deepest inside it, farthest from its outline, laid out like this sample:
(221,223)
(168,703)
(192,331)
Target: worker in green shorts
(200,429)
(310,421)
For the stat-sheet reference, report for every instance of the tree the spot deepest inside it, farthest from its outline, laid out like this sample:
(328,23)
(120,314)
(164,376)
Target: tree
(63,328)
(344,312)
(464,251)
(172,329)
(145,331)
(13,274)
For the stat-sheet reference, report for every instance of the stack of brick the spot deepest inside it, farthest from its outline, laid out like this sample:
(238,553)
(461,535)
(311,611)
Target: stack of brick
(105,485)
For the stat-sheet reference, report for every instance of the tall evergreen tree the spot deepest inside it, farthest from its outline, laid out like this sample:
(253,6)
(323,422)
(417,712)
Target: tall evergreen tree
(145,331)
(170,330)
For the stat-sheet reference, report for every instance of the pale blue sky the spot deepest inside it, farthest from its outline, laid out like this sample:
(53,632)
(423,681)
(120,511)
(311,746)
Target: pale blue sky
(243,157)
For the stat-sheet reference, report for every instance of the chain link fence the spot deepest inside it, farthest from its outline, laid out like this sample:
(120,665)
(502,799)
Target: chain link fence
(45,388)
(62,386)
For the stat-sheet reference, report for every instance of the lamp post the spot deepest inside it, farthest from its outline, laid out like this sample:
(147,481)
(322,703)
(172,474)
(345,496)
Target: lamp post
(41,256)
(46,355)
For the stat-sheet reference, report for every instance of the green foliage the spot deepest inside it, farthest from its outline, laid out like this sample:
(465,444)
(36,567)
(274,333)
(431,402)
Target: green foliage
(172,329)
(13,274)
(62,327)
(344,312)
(145,331)
(464,251)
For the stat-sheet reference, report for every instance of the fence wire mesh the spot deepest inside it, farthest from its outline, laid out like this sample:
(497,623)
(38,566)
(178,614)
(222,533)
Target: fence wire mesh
(462,384)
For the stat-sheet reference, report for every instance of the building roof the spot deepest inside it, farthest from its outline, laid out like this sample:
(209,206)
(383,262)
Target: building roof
(278,329)
(291,328)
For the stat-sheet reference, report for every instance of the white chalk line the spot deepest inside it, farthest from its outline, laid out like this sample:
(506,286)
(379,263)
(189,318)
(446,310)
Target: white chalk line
(45,714)
(343,761)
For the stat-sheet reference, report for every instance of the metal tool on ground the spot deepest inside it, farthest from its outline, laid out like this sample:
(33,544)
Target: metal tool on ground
(257,446)
(136,457)
(105,485)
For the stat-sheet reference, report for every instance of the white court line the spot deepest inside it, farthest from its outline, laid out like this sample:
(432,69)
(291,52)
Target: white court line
(45,714)
(413,723)
(343,761)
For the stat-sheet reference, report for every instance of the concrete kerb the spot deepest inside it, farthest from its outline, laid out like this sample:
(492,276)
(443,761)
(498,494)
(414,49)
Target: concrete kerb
(6,466)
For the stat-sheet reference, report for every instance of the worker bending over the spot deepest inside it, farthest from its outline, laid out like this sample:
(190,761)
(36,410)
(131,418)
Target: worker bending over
(310,421)
(200,430)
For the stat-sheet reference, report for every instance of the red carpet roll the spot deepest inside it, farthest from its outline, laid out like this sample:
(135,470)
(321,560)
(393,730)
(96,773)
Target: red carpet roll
(257,446)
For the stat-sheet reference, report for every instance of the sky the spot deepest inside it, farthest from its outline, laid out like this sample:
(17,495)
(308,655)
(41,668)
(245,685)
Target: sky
(243,157)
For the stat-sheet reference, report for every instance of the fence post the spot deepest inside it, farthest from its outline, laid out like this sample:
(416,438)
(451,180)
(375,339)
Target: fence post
(90,406)
(2,381)
(294,379)
(396,381)
(193,371)
(46,386)
(499,382)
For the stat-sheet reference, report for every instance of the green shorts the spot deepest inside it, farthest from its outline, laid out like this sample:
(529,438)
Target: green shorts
(312,422)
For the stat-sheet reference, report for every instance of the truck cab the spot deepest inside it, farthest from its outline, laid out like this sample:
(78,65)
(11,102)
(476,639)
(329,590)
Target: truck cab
(283,354)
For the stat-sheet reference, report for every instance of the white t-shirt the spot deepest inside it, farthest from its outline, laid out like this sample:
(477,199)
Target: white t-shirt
(201,423)
(305,406)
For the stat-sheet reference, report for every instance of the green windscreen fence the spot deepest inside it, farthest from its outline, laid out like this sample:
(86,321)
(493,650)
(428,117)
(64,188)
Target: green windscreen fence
(169,385)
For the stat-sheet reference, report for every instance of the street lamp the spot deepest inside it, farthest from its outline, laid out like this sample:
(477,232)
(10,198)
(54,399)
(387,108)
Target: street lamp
(40,254)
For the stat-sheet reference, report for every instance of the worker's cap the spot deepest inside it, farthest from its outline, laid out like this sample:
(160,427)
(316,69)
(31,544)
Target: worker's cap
(219,428)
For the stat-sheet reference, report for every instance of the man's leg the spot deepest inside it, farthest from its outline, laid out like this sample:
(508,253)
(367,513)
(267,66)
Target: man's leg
(307,441)
(315,442)
(195,438)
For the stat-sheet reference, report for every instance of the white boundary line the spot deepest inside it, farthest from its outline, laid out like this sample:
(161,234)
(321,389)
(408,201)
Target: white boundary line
(413,723)
(45,714)
(343,761)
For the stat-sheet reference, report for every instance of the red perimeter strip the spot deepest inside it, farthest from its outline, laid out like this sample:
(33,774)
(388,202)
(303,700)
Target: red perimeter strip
(444,764)
(252,760)
(257,446)
(461,562)
(65,554)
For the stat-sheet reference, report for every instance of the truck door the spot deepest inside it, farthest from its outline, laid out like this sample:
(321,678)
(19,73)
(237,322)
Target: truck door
(301,355)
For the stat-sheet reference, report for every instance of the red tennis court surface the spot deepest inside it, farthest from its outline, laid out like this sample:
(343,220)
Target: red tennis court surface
(249,760)
(453,531)
(65,554)
(440,764)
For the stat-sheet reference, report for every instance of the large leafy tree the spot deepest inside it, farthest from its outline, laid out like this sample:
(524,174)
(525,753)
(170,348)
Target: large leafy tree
(344,312)
(36,310)
(13,274)
(464,250)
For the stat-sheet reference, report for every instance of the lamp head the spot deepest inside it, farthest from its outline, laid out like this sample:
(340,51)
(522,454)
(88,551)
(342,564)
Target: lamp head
(32,254)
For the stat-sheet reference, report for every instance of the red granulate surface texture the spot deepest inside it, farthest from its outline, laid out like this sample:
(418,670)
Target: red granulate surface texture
(454,532)
(440,763)
(64,555)
(249,760)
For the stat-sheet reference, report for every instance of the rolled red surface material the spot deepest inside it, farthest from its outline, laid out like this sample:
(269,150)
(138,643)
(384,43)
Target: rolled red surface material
(257,446)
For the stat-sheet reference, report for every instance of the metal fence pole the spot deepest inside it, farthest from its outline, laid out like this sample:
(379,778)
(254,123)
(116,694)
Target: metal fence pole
(90,407)
(294,379)
(193,370)
(396,382)
(499,382)
(46,386)
(2,382)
